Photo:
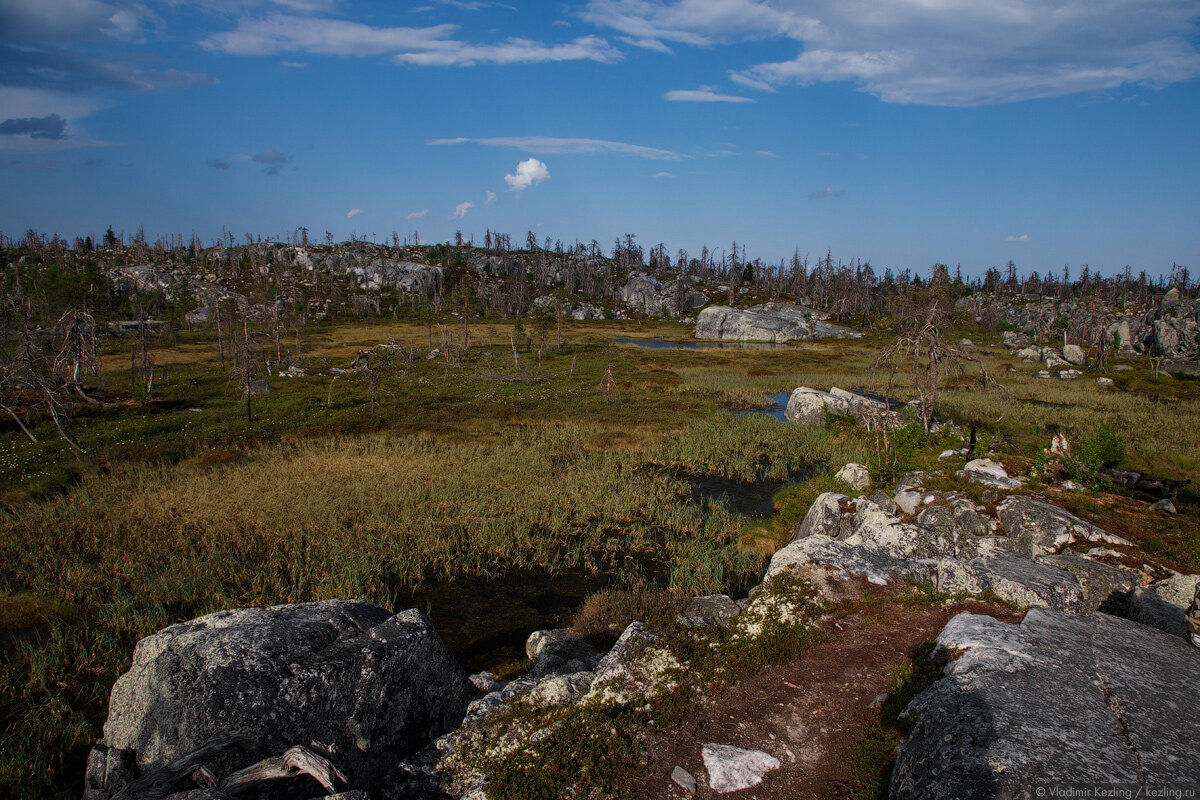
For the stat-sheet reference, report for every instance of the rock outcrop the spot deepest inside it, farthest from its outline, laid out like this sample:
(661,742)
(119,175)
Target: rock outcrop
(1057,701)
(807,406)
(769,322)
(346,677)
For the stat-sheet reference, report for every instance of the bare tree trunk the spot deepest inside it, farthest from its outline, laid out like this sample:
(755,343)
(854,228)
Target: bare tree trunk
(21,424)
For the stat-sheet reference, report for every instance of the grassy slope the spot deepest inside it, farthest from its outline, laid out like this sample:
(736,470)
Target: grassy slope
(460,471)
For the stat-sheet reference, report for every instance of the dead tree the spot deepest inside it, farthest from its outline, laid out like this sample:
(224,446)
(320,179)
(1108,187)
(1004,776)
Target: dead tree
(924,353)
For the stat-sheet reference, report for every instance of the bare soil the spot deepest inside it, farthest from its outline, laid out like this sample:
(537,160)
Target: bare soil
(809,713)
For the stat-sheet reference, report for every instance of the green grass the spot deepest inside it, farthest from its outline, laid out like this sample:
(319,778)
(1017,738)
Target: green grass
(463,470)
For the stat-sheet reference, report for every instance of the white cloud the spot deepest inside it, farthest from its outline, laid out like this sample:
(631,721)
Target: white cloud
(354,212)
(828,191)
(422,214)
(664,174)
(530,172)
(491,199)
(271,156)
(550,144)
(432,45)
(647,44)
(705,94)
(767,154)
(935,52)
(1024,237)
(461,210)
(294,64)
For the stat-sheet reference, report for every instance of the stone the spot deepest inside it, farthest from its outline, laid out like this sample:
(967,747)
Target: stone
(1042,374)
(345,674)
(1052,359)
(635,668)
(909,501)
(768,322)
(1058,700)
(986,466)
(1074,354)
(966,343)
(1012,577)
(1030,353)
(1152,610)
(557,690)
(856,475)
(1069,374)
(713,609)
(1122,368)
(562,642)
(877,529)
(1038,528)
(1177,589)
(486,682)
(1164,505)
(1015,339)
(1103,381)
(946,454)
(808,406)
(731,769)
(825,517)
(1104,586)
(876,566)
(684,779)
(260,387)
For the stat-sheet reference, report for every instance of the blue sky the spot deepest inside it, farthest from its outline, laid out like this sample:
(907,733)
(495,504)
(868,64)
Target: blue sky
(902,132)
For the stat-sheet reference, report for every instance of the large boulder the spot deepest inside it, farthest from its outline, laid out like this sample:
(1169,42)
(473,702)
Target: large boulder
(768,322)
(1057,701)
(346,675)
(807,406)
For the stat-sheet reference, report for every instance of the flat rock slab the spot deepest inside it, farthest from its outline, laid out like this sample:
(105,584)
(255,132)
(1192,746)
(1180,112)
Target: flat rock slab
(1057,701)
(731,769)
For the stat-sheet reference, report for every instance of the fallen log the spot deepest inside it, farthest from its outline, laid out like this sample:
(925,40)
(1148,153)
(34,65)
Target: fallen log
(1141,482)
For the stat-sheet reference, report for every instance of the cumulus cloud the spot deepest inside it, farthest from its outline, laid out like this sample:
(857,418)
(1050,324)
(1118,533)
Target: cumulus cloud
(491,199)
(828,191)
(271,156)
(554,145)
(530,172)
(294,64)
(422,214)
(48,127)
(461,210)
(664,174)
(951,52)
(218,163)
(432,45)
(767,154)
(354,212)
(1024,237)
(705,94)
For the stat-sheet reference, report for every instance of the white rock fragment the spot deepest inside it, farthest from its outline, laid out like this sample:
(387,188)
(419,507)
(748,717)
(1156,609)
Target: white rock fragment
(731,769)
(856,475)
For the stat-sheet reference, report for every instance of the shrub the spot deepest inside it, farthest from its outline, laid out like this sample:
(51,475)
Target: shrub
(1104,447)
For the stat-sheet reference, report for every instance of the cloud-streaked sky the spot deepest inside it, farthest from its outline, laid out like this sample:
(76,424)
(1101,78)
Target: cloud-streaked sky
(1050,132)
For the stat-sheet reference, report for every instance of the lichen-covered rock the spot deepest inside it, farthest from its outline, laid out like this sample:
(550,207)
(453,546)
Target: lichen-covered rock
(1104,586)
(857,476)
(1038,528)
(731,769)
(713,609)
(855,559)
(827,516)
(561,642)
(768,322)
(635,668)
(1059,700)
(345,674)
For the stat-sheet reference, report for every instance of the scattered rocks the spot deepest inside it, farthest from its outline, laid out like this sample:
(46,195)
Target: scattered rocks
(731,769)
(1069,374)
(1058,700)
(562,642)
(1102,381)
(856,475)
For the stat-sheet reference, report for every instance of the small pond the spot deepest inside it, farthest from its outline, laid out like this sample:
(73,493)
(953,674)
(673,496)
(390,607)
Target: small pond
(776,405)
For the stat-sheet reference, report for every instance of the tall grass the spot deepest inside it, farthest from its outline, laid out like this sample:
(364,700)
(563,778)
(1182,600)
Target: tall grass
(363,517)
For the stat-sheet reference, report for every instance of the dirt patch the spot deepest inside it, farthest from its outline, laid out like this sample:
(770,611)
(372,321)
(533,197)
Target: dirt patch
(809,713)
